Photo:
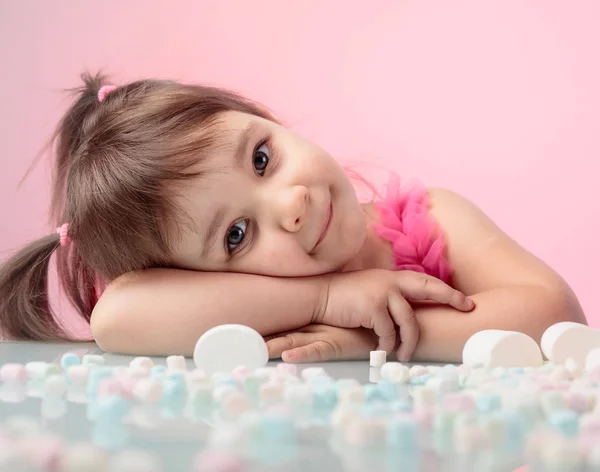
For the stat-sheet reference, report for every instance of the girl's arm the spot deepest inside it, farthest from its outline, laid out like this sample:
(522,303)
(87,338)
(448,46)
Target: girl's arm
(163,311)
(512,288)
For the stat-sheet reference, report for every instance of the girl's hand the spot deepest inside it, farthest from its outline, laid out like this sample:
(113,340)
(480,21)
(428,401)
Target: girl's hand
(319,343)
(378,299)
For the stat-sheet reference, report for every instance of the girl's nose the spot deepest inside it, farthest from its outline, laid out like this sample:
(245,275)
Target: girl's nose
(292,208)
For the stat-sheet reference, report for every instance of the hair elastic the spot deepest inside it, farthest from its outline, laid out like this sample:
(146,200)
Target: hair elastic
(65,240)
(104,91)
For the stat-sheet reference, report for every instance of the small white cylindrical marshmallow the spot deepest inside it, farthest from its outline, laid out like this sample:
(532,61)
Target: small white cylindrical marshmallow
(374,374)
(498,348)
(395,371)
(377,358)
(418,371)
(148,390)
(78,374)
(95,359)
(142,361)
(309,372)
(569,339)
(176,363)
(573,367)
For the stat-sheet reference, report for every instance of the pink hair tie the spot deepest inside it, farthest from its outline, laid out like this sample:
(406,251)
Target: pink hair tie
(65,240)
(104,91)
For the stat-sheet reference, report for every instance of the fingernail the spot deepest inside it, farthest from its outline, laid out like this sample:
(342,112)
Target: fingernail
(470,302)
(289,355)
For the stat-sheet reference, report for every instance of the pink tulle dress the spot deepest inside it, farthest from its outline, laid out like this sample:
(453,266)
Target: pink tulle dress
(417,241)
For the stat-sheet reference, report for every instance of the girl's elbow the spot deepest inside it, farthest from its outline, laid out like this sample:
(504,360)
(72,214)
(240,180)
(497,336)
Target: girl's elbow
(561,304)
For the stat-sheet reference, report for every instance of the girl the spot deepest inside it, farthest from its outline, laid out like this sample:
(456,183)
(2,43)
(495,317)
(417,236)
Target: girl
(182,207)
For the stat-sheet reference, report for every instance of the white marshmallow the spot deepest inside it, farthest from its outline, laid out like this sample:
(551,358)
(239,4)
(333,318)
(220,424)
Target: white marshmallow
(499,348)
(144,362)
(377,358)
(354,395)
(568,339)
(395,371)
(39,370)
(573,367)
(176,363)
(418,371)
(95,359)
(592,359)
(424,397)
(78,374)
(148,390)
(225,347)
(55,385)
(309,372)
(374,374)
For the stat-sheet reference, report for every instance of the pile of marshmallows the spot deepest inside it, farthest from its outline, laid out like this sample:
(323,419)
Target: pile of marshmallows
(504,401)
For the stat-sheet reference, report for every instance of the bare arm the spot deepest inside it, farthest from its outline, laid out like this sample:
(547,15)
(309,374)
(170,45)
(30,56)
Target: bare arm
(164,311)
(512,289)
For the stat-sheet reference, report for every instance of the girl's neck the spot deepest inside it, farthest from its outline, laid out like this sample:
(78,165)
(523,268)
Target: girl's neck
(376,252)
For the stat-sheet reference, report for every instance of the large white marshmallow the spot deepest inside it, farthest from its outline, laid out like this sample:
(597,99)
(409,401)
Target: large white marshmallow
(498,348)
(225,347)
(569,339)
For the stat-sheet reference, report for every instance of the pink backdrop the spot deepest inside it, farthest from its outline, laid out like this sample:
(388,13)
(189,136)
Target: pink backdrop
(498,100)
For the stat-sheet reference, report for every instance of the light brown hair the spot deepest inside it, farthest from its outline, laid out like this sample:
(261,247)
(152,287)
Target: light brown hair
(114,160)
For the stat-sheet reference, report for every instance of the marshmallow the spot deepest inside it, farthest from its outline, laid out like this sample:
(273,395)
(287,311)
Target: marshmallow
(224,347)
(176,363)
(499,348)
(374,374)
(68,359)
(94,359)
(148,390)
(568,339)
(13,373)
(309,372)
(144,362)
(592,359)
(78,374)
(395,371)
(377,358)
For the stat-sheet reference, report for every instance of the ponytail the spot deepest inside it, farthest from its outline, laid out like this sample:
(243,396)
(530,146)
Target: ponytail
(25,311)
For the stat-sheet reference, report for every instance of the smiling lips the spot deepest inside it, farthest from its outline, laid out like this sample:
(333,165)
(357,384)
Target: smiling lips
(327,225)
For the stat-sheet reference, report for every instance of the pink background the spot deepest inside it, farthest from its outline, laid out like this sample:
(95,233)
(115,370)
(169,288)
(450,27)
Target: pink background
(498,100)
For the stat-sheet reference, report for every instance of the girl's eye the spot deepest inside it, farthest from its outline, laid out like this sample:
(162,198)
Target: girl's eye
(261,159)
(236,235)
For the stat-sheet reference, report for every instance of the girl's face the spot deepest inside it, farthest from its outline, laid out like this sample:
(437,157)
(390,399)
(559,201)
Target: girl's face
(271,203)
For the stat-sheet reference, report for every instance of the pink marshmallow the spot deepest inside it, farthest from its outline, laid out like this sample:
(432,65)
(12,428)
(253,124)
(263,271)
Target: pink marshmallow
(240,372)
(287,369)
(13,373)
(78,373)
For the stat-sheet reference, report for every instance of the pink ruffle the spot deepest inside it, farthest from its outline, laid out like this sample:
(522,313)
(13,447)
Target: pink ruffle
(417,242)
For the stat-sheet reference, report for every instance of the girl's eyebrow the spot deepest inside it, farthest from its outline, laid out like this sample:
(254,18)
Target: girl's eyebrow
(210,236)
(242,146)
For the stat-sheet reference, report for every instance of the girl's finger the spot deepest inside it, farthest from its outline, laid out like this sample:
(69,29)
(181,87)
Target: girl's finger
(286,341)
(404,316)
(318,351)
(384,328)
(418,286)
